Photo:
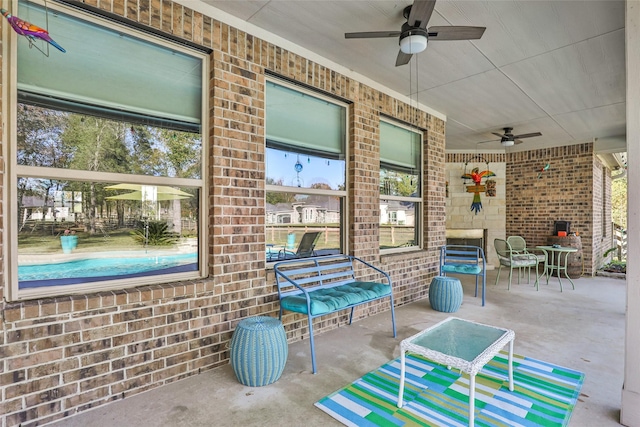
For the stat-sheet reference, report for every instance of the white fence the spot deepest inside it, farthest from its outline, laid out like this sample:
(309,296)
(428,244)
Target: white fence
(620,242)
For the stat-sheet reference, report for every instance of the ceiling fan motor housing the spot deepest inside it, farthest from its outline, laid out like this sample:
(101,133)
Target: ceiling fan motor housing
(507,142)
(413,39)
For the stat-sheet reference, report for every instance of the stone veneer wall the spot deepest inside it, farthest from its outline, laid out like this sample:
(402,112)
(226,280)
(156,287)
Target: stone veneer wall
(492,216)
(571,190)
(71,353)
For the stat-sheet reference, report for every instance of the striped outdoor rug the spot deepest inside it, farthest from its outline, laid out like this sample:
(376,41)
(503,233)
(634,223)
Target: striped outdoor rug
(544,395)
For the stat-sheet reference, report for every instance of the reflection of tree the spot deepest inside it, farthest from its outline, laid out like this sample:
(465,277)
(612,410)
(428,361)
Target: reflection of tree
(181,153)
(98,146)
(38,144)
(58,139)
(406,186)
(274,198)
(182,158)
(140,146)
(38,137)
(321,186)
(398,183)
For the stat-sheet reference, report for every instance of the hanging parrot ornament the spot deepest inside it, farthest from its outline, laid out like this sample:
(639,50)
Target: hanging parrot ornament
(477,187)
(545,168)
(29,30)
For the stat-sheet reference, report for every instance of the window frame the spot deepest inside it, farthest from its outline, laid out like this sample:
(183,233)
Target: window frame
(14,171)
(418,201)
(341,194)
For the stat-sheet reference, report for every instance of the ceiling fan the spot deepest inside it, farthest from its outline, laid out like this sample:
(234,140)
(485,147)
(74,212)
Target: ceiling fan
(414,33)
(507,139)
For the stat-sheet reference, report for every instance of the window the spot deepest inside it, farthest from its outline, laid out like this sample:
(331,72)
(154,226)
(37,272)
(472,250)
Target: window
(400,187)
(106,183)
(305,159)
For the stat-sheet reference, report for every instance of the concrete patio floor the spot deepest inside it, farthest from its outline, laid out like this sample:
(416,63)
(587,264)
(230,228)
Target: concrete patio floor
(581,329)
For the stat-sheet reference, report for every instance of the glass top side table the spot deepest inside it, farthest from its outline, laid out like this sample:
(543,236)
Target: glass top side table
(461,344)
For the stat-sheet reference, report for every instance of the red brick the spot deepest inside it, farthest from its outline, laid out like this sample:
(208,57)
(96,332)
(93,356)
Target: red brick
(49,395)
(101,381)
(104,332)
(31,386)
(29,360)
(86,372)
(88,396)
(54,368)
(101,356)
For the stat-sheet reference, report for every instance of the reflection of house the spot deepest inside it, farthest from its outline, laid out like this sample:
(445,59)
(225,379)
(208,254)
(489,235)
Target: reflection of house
(35,208)
(394,212)
(321,212)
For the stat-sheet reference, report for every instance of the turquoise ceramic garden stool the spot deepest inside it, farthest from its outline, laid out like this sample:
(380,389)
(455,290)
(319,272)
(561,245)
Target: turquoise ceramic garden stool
(259,350)
(445,294)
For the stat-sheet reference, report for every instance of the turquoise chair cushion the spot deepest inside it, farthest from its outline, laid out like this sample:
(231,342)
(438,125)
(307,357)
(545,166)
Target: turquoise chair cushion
(331,299)
(462,268)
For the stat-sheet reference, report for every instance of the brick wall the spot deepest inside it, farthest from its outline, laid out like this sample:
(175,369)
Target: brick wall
(59,356)
(576,188)
(602,218)
(570,190)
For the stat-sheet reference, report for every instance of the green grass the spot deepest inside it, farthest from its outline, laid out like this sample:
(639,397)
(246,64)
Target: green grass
(277,235)
(32,243)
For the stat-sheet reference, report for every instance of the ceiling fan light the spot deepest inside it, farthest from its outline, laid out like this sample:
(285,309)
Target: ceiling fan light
(508,143)
(413,41)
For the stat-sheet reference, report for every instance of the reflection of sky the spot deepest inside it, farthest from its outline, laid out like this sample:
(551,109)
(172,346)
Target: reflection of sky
(281,165)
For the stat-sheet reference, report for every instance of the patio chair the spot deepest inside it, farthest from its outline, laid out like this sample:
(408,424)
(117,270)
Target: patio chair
(512,259)
(305,247)
(464,259)
(519,246)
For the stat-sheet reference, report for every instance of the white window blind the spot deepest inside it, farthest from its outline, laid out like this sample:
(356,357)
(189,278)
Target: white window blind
(300,120)
(399,147)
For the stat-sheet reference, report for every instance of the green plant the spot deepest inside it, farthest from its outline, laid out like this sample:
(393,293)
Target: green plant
(154,233)
(616,267)
(609,251)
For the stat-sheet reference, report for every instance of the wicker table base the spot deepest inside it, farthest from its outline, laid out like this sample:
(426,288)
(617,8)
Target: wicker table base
(460,344)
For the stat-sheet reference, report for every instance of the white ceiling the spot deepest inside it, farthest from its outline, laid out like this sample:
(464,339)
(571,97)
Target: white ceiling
(556,67)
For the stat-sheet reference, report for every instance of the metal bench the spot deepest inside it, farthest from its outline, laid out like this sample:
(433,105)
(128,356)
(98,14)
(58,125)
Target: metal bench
(322,285)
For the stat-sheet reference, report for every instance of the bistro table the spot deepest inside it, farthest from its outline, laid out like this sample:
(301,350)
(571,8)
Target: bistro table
(555,262)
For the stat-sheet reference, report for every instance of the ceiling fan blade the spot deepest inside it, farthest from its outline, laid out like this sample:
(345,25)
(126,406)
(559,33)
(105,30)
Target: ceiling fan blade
(517,141)
(455,33)
(490,140)
(403,58)
(500,135)
(420,14)
(372,34)
(527,135)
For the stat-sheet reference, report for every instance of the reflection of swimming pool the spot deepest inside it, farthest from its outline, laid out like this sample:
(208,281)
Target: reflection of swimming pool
(98,269)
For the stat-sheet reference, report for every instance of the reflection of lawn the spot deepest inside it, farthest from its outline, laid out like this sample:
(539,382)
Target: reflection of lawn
(390,236)
(34,243)
(276,235)
(396,236)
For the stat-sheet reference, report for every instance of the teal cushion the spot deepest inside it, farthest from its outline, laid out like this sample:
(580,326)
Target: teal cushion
(331,299)
(462,268)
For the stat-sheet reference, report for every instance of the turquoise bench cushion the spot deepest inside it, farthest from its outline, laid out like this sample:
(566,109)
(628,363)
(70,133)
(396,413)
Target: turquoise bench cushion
(462,268)
(332,299)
